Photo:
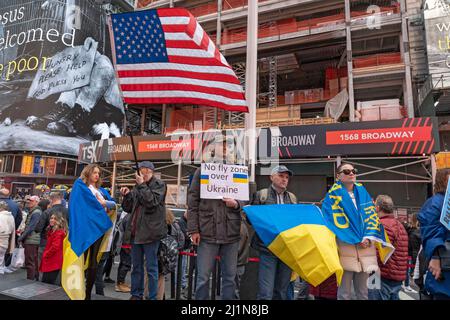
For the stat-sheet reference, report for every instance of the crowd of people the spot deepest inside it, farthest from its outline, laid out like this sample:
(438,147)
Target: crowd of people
(147,239)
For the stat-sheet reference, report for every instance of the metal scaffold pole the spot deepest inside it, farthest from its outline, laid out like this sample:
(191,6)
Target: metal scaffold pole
(250,84)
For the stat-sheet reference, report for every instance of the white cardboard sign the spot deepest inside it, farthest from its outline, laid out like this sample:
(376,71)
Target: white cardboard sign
(218,181)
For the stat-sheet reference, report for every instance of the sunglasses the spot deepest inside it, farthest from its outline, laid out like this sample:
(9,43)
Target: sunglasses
(348,171)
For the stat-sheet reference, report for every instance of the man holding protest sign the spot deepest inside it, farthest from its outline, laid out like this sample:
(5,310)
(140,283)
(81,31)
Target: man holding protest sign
(274,275)
(214,221)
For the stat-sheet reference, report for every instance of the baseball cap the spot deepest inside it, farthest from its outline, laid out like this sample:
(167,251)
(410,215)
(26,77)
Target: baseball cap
(145,164)
(34,198)
(281,169)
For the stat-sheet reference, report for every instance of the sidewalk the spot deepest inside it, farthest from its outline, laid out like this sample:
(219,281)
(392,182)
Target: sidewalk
(111,293)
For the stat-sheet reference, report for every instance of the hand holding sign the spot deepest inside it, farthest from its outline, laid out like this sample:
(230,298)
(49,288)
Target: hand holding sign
(445,213)
(230,203)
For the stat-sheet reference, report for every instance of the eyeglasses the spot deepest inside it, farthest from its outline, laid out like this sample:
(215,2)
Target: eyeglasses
(348,171)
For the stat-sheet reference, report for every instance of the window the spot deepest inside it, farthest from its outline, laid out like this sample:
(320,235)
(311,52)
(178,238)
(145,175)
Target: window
(61,166)
(70,168)
(18,164)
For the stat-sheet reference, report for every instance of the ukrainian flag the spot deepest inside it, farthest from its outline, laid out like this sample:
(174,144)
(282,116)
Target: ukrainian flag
(298,236)
(240,178)
(204,179)
(88,221)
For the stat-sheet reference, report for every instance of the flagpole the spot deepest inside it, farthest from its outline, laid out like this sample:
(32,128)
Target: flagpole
(130,133)
(250,84)
(125,105)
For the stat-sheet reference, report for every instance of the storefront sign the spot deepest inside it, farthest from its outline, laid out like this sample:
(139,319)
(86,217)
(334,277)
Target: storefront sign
(391,137)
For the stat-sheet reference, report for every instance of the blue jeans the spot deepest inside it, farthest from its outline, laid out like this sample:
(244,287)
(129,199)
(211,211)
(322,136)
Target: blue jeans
(273,277)
(206,255)
(150,250)
(389,290)
(290,291)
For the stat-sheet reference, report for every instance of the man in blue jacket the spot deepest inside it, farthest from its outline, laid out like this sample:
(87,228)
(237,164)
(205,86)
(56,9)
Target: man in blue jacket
(434,235)
(13,207)
(16,213)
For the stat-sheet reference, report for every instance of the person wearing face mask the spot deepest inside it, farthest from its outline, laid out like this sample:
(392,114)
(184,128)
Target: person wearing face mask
(145,228)
(350,213)
(274,275)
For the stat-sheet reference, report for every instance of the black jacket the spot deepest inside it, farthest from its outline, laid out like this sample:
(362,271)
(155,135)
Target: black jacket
(147,209)
(215,222)
(183,225)
(44,221)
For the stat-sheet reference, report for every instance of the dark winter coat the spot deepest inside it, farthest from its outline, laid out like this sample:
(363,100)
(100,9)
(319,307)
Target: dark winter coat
(434,234)
(147,209)
(215,222)
(395,268)
(29,236)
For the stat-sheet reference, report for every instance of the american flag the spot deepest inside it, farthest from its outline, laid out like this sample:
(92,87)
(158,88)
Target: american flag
(164,56)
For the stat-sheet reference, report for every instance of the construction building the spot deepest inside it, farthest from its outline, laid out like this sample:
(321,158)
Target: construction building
(366,56)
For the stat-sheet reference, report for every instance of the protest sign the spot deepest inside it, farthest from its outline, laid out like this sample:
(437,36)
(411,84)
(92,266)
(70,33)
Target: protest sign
(218,181)
(445,215)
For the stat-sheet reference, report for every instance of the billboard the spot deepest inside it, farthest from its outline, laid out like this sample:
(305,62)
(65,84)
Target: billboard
(437,27)
(411,136)
(57,83)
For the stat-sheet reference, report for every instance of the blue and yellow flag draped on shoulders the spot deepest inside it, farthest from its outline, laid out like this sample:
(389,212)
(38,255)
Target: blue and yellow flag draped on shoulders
(298,236)
(351,224)
(88,221)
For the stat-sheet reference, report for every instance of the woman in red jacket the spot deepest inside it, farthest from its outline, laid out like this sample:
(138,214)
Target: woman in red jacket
(52,258)
(393,273)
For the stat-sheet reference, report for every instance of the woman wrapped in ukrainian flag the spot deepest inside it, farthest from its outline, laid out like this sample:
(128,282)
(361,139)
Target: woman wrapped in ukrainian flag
(92,213)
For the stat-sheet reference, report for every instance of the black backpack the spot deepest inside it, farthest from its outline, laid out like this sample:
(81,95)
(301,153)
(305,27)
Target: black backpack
(167,254)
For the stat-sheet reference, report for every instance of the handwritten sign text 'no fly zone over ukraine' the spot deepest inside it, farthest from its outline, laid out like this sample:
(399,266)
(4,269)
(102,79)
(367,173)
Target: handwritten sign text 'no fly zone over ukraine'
(219,181)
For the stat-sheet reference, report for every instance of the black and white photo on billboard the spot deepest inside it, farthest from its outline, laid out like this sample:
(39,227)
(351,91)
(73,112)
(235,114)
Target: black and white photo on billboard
(437,26)
(57,83)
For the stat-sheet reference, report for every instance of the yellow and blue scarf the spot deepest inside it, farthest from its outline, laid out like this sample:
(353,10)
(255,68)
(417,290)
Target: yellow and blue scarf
(351,224)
